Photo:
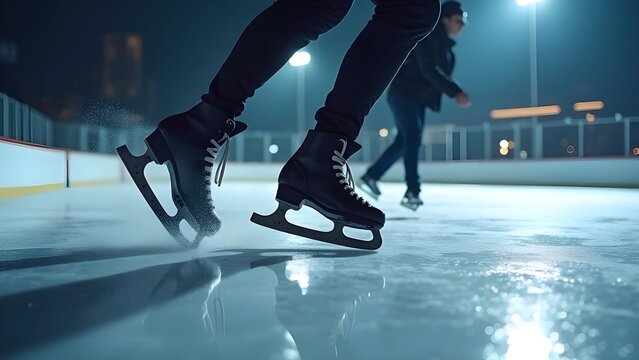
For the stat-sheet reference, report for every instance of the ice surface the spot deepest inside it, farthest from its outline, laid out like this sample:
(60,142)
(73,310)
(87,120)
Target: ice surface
(479,272)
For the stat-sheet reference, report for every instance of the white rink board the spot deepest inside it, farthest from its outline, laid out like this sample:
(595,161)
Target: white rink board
(86,167)
(23,165)
(572,172)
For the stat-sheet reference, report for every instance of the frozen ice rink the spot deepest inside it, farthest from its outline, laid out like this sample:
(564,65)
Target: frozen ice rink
(479,272)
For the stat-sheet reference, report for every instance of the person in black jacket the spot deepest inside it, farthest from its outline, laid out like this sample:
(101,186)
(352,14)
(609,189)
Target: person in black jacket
(418,85)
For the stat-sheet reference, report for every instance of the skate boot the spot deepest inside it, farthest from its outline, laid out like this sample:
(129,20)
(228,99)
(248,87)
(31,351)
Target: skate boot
(188,143)
(317,176)
(411,200)
(369,186)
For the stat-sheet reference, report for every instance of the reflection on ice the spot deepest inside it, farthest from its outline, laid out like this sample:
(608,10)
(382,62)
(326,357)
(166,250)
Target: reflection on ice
(466,278)
(527,333)
(527,341)
(217,327)
(527,272)
(297,270)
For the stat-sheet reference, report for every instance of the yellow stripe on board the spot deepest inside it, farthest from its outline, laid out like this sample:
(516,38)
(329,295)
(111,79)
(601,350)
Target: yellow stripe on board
(88,183)
(11,192)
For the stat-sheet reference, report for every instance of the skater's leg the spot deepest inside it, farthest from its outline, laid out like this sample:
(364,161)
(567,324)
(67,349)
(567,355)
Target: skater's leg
(396,150)
(413,125)
(368,182)
(317,174)
(373,60)
(267,44)
(387,159)
(189,142)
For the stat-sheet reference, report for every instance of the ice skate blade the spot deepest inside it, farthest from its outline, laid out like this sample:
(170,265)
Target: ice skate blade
(135,165)
(410,206)
(277,221)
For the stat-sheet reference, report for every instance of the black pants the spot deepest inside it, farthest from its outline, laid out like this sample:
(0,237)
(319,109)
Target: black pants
(368,67)
(410,117)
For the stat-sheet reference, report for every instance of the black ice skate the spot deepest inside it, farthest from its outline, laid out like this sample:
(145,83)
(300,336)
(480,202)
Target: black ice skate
(188,143)
(411,200)
(369,186)
(317,176)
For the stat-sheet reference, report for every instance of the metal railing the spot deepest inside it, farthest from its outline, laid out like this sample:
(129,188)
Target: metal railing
(564,138)
(21,122)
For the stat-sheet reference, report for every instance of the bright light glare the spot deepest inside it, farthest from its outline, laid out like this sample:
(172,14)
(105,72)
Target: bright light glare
(298,271)
(300,58)
(588,105)
(273,149)
(503,143)
(383,132)
(528,2)
(527,341)
(503,151)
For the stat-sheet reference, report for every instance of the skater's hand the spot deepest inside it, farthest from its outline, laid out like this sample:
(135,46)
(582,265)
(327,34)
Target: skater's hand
(462,99)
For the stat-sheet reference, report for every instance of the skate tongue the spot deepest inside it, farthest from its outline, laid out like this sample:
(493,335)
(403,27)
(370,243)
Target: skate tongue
(351,149)
(239,127)
(211,117)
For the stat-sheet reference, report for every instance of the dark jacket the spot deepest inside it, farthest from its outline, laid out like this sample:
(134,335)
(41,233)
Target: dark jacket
(425,73)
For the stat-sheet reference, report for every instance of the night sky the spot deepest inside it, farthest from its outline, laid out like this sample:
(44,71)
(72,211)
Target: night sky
(587,51)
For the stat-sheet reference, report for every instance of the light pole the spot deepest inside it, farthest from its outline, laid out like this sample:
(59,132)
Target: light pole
(299,60)
(534,92)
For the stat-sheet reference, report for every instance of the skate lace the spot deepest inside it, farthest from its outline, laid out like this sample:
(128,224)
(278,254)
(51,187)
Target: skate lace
(344,172)
(212,152)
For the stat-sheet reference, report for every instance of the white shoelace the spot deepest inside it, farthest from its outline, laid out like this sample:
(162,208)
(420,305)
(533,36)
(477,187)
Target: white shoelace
(213,151)
(346,177)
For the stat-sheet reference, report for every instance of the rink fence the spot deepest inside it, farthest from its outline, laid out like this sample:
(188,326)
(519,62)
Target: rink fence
(527,139)
(38,154)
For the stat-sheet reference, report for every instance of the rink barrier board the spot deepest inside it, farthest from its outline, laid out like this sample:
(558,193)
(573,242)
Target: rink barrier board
(608,172)
(29,169)
(87,169)
(601,172)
